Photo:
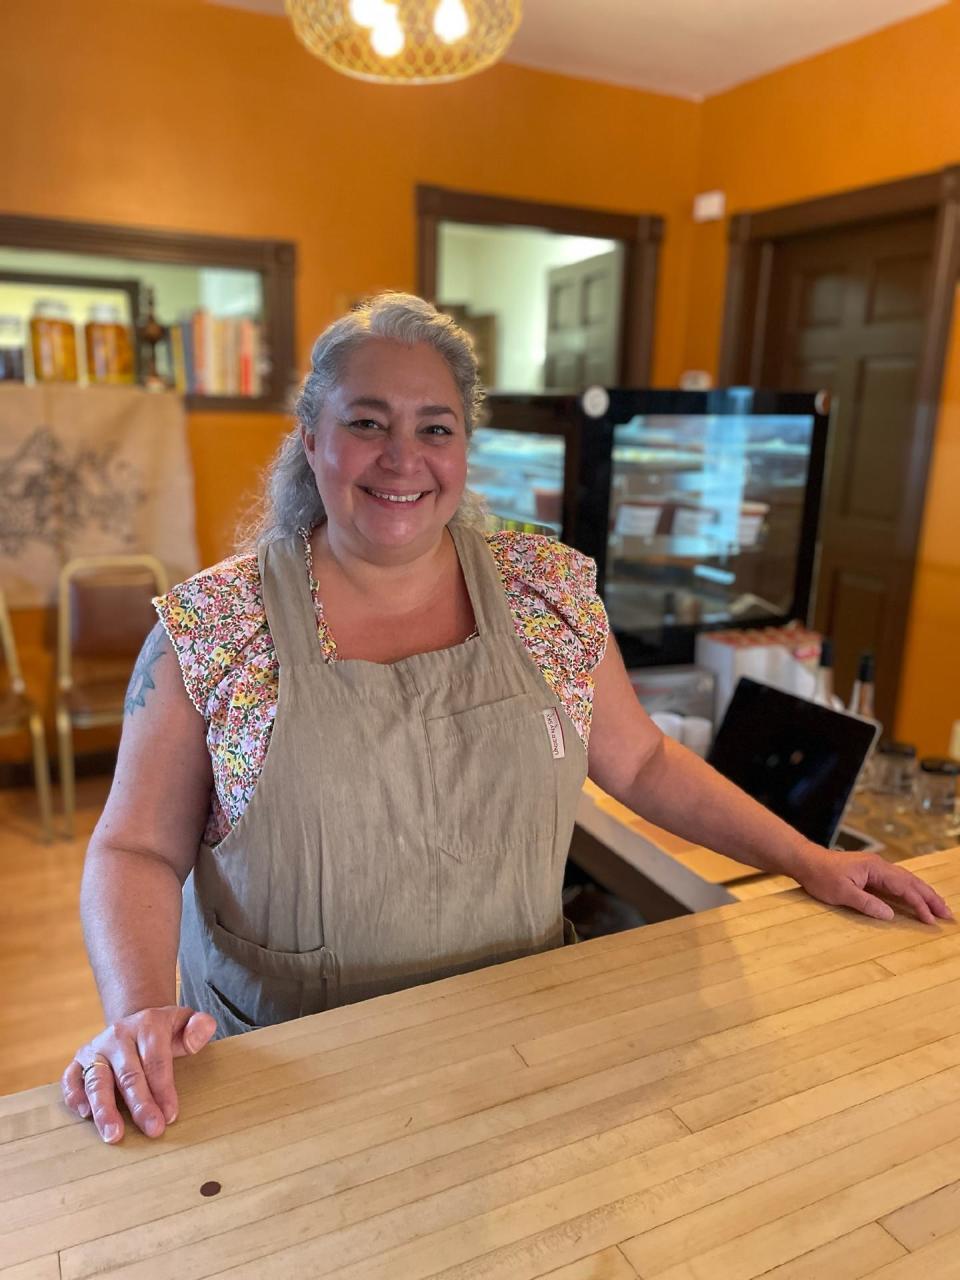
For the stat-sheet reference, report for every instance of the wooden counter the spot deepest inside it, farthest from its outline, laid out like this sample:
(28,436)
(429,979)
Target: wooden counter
(770,1088)
(696,878)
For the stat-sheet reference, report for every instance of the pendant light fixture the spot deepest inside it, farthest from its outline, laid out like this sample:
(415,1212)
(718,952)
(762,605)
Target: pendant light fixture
(406,41)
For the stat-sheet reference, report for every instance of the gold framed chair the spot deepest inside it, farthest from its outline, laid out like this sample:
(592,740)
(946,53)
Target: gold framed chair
(18,712)
(104,615)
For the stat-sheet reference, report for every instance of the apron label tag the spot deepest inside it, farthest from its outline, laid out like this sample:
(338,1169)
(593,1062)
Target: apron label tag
(554,733)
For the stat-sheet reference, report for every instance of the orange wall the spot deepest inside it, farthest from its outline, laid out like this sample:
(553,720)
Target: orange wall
(176,113)
(881,108)
(180,114)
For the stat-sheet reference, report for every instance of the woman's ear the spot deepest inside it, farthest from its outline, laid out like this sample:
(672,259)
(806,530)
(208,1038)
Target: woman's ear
(309,442)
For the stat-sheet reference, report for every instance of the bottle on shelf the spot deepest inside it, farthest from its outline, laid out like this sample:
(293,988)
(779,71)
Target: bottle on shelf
(862,696)
(53,341)
(109,348)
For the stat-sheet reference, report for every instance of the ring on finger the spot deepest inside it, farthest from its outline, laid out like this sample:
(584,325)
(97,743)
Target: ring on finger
(98,1061)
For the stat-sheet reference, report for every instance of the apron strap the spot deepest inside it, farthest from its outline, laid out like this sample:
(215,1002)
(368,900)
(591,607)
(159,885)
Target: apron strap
(288,603)
(491,609)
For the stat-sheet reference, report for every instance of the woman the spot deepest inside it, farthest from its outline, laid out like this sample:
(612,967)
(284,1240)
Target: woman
(428,695)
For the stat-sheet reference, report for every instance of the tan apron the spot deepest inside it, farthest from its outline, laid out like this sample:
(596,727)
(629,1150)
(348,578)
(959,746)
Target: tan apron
(411,820)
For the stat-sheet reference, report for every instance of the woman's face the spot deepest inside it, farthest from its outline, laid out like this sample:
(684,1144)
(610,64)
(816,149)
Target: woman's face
(390,449)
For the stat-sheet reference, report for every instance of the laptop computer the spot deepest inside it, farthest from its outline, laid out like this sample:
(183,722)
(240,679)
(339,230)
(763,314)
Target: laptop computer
(799,759)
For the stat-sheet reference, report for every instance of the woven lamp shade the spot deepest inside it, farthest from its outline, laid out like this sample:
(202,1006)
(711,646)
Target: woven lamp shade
(328,30)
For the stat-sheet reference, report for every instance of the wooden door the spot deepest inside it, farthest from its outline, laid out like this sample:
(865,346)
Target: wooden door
(847,312)
(583,323)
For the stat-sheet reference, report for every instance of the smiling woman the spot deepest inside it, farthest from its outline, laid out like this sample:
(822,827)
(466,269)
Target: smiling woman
(401,328)
(390,484)
(391,481)
(315,821)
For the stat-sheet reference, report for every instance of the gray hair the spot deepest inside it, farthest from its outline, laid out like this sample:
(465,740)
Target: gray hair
(291,500)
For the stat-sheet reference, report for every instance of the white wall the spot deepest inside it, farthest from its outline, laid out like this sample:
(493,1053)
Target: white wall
(504,270)
(226,292)
(179,290)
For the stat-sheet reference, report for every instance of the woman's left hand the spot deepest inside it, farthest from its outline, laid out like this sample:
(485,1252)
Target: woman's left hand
(854,880)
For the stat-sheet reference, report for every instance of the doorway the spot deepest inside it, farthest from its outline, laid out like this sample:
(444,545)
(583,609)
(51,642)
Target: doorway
(543,309)
(852,296)
(556,297)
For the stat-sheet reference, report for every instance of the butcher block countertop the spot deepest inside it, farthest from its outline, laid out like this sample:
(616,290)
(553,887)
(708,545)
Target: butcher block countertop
(770,1088)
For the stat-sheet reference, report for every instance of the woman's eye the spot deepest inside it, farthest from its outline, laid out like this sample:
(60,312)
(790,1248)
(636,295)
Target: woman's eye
(438,430)
(365,424)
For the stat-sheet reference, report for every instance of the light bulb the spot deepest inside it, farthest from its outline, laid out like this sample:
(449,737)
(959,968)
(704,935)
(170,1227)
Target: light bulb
(450,22)
(367,13)
(387,38)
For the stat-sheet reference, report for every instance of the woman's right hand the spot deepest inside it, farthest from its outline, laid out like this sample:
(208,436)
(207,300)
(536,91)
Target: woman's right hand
(135,1055)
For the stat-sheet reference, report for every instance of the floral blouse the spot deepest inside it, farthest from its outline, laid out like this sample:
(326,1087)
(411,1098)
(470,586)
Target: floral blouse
(218,628)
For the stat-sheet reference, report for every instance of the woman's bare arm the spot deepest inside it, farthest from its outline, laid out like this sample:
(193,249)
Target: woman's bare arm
(141,851)
(147,838)
(664,782)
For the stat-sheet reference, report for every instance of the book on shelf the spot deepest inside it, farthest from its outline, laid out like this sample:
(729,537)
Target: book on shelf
(217,355)
(178,359)
(200,323)
(216,358)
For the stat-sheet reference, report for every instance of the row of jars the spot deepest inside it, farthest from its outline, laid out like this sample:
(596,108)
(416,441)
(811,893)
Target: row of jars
(928,787)
(930,782)
(914,801)
(108,345)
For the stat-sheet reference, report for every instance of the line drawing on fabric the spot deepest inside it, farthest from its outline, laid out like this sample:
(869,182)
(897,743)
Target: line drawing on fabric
(49,491)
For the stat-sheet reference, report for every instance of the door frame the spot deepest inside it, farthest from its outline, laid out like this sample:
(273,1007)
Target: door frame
(753,238)
(641,235)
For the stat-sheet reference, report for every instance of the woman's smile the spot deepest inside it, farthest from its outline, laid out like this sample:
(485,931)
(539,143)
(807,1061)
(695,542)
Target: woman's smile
(394,498)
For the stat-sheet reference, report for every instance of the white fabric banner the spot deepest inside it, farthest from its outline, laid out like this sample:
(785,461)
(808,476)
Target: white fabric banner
(91,471)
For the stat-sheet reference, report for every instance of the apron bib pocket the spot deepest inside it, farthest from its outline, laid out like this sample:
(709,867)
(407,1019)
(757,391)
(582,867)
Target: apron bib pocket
(481,810)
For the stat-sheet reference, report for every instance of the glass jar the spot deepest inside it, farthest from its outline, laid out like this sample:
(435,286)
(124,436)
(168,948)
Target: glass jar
(936,791)
(894,774)
(109,347)
(11,349)
(895,768)
(53,342)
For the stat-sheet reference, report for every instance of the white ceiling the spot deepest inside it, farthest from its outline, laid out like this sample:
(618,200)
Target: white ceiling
(687,48)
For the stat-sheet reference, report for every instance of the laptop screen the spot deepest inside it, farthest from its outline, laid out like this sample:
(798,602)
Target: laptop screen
(798,759)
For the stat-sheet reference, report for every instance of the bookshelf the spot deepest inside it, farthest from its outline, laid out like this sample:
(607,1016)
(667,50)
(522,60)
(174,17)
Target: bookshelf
(250,361)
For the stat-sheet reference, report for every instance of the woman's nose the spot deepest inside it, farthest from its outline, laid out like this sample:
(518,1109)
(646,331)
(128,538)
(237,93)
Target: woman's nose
(400,453)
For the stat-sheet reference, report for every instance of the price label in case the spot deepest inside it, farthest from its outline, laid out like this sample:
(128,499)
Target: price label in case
(635,521)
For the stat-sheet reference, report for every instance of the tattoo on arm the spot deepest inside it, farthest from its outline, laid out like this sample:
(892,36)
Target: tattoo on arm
(141,682)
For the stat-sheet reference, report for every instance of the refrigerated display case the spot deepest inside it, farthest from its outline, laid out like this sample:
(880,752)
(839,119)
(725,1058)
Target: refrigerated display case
(522,460)
(521,476)
(700,508)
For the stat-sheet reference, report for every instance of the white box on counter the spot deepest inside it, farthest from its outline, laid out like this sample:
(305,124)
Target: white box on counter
(785,657)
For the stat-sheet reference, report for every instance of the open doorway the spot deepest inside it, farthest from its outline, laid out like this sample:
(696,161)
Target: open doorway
(544,309)
(557,297)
